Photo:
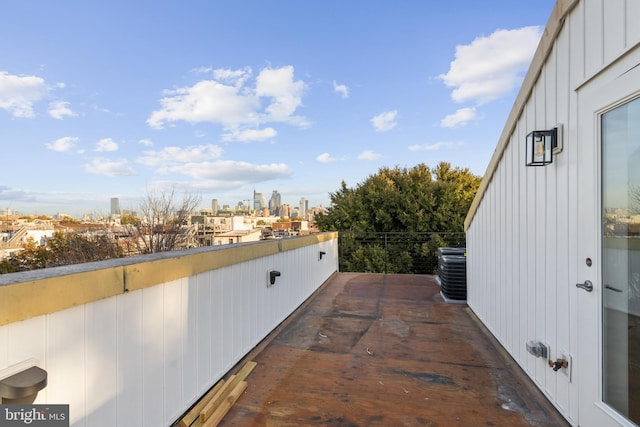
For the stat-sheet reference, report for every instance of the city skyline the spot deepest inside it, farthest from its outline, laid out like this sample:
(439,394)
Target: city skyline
(114,99)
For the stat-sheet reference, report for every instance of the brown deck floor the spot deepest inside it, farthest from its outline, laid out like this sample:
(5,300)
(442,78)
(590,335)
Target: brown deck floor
(385,350)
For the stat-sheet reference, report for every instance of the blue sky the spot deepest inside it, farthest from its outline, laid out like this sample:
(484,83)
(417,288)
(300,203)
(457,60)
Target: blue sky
(117,98)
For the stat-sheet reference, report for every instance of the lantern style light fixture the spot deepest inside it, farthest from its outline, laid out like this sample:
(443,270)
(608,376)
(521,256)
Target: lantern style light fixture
(541,144)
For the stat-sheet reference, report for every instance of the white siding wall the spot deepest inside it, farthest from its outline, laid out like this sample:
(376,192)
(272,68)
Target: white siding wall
(142,358)
(522,241)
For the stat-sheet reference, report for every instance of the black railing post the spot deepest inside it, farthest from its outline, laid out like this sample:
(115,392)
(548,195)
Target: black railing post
(386,253)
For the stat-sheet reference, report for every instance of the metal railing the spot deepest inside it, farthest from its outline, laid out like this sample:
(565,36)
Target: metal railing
(394,252)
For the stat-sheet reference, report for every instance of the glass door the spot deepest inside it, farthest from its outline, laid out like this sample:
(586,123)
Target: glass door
(620,137)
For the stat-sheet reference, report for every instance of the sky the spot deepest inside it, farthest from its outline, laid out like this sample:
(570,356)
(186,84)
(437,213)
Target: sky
(216,98)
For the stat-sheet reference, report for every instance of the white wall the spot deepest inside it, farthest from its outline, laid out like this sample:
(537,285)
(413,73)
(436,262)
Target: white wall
(522,241)
(143,357)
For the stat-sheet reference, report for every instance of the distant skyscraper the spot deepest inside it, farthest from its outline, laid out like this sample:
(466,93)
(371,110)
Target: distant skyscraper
(115,206)
(214,206)
(304,206)
(285,211)
(259,201)
(275,202)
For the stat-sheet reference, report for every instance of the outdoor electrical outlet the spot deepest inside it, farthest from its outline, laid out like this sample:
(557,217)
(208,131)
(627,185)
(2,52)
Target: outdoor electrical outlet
(563,354)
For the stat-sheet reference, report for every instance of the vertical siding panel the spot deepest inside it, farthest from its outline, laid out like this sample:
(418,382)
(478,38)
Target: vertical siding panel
(203,342)
(174,335)
(261,287)
(253,306)
(502,231)
(541,192)
(498,295)
(507,228)
(244,316)
(632,19)
(551,235)
(66,361)
(482,263)
(523,230)
(101,358)
(223,326)
(577,73)
(593,34)
(507,251)
(530,240)
(218,351)
(190,334)
(494,277)
(511,250)
(152,356)
(19,349)
(491,261)
(614,31)
(129,358)
(563,92)
(486,248)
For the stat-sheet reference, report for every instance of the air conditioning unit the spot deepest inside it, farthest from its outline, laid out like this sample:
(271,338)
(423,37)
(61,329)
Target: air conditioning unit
(452,274)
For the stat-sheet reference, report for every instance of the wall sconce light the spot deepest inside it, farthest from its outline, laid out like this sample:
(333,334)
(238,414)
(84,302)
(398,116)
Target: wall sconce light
(272,277)
(322,253)
(21,383)
(541,144)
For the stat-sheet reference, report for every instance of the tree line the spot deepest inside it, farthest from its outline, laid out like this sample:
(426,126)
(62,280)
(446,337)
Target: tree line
(395,220)
(392,222)
(160,226)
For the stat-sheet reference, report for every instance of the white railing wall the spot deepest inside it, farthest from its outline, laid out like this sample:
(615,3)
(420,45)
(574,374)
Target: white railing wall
(143,357)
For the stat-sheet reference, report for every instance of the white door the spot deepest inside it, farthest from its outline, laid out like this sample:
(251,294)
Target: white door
(608,295)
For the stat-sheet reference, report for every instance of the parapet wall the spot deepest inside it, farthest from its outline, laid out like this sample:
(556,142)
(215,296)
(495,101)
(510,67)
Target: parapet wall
(136,341)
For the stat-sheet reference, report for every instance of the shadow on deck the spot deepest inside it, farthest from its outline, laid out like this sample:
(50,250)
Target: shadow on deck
(385,350)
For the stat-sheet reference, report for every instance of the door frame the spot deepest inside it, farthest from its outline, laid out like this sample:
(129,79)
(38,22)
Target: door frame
(615,86)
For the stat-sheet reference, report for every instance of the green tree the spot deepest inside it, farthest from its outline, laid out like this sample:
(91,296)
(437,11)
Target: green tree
(63,249)
(405,202)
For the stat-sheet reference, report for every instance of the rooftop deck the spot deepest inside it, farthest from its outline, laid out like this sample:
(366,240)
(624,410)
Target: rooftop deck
(385,350)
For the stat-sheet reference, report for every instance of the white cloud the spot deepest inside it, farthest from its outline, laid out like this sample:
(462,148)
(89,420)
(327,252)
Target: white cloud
(202,70)
(343,90)
(434,147)
(106,144)
(386,121)
(250,135)
(19,93)
(368,155)
(460,118)
(325,158)
(101,166)
(59,110)
(285,92)
(173,155)
(146,142)
(492,66)
(206,101)
(62,144)
(228,170)
(229,101)
(235,77)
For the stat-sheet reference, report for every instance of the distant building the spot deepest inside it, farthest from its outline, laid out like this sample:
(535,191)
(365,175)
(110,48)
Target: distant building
(214,206)
(115,206)
(259,201)
(275,202)
(285,211)
(304,206)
